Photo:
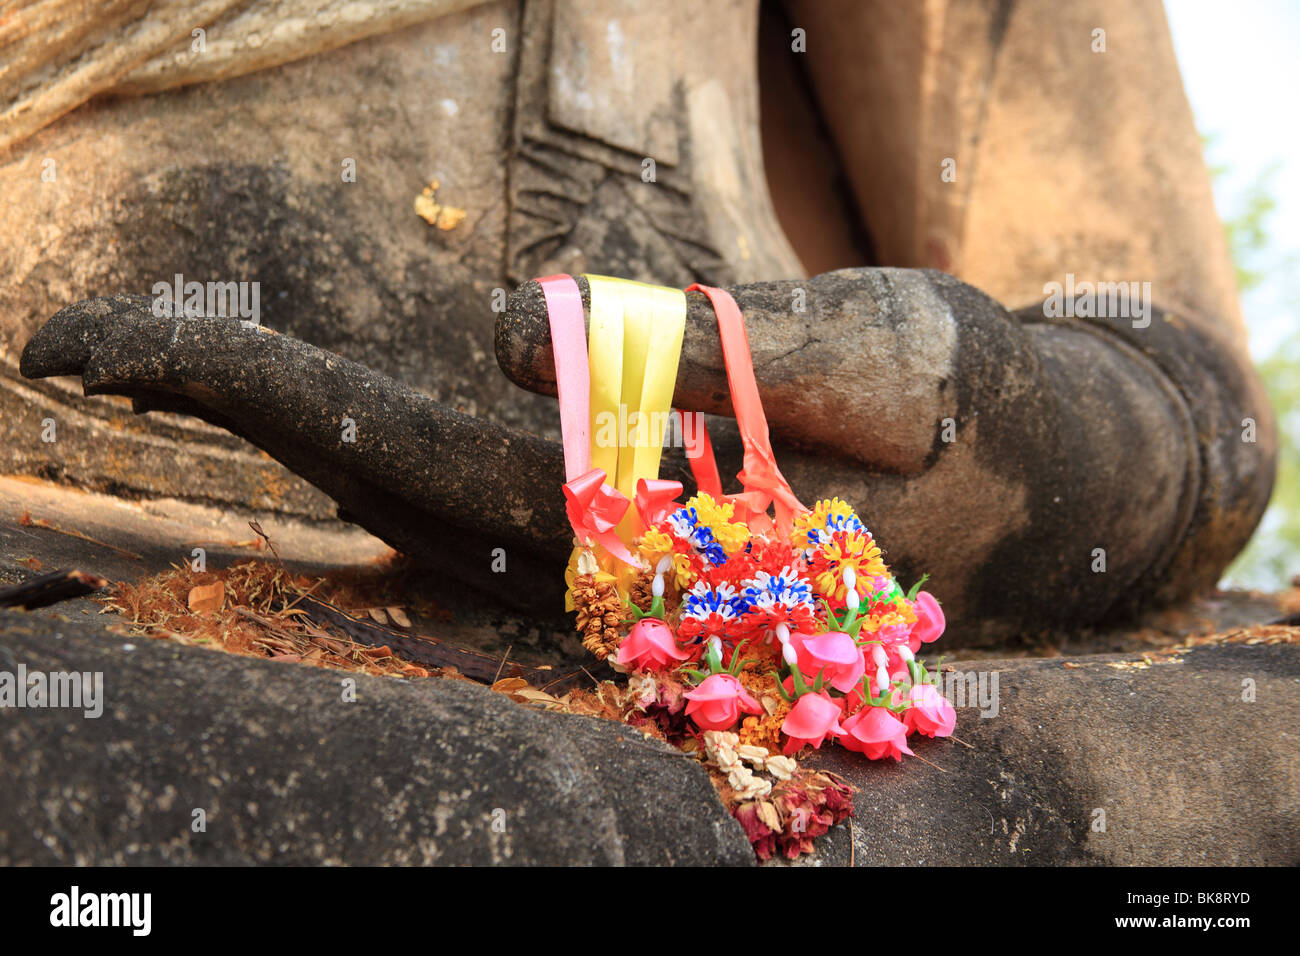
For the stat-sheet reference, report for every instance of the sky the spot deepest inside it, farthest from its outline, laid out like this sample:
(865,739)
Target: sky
(1240,62)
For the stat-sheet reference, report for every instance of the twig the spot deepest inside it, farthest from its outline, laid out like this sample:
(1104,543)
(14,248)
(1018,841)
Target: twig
(257,530)
(306,593)
(497,675)
(47,589)
(31,522)
(269,625)
(960,741)
(934,765)
(423,649)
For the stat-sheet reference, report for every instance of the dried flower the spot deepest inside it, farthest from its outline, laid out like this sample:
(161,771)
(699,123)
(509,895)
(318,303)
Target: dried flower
(746,785)
(781,767)
(600,612)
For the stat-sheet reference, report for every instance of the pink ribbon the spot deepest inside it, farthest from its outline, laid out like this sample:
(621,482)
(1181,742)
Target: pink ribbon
(572,376)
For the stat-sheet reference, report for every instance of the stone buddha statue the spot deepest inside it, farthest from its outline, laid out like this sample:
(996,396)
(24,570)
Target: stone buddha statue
(890,191)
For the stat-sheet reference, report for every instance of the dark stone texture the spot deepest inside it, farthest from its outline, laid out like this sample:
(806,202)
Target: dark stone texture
(288,773)
(439,485)
(1187,773)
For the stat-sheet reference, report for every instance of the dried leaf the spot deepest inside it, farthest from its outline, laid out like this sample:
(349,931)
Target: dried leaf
(399,616)
(509,685)
(206,597)
(531,696)
(377,615)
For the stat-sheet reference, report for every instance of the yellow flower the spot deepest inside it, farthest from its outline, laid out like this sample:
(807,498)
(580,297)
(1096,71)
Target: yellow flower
(711,512)
(848,549)
(833,512)
(718,517)
(655,545)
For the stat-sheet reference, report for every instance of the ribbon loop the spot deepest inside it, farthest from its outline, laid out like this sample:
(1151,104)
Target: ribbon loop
(656,499)
(622,382)
(760,477)
(595,510)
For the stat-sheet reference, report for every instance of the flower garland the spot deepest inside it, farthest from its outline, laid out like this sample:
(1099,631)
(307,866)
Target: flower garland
(812,628)
(752,626)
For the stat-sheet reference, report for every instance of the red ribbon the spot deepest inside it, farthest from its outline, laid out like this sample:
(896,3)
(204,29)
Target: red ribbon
(761,478)
(595,509)
(699,454)
(656,498)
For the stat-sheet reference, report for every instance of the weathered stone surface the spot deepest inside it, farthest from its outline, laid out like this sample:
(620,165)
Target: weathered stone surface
(1020,147)
(442,486)
(288,773)
(1186,772)
(244,180)
(134,540)
(248,180)
(1071,734)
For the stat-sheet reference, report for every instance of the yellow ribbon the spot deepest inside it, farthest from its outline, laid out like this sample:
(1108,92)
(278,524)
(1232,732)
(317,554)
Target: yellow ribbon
(634,344)
(605,357)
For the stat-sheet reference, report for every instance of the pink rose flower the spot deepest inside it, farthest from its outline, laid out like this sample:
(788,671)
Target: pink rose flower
(814,718)
(717,703)
(929,624)
(833,654)
(854,700)
(876,732)
(650,645)
(894,634)
(928,712)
